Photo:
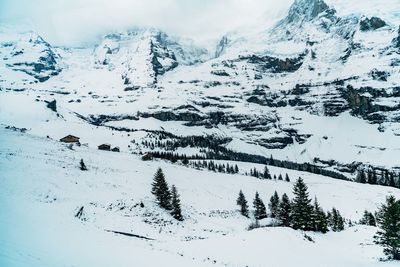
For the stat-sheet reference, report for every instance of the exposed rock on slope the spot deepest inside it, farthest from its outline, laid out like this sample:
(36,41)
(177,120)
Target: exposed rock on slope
(31,54)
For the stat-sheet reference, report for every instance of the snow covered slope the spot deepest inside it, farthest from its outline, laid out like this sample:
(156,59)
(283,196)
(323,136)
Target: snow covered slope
(43,189)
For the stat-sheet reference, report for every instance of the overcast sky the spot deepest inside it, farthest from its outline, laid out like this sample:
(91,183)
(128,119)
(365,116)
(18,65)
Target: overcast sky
(75,22)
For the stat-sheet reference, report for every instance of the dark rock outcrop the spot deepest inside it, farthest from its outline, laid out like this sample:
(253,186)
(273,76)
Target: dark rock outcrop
(371,24)
(276,65)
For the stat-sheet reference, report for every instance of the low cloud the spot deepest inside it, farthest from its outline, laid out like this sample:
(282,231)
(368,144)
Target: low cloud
(76,22)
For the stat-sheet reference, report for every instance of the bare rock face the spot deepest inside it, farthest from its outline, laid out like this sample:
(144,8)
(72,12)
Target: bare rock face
(276,65)
(371,24)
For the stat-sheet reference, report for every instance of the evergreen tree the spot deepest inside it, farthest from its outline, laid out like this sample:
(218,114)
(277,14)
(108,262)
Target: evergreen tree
(320,219)
(255,172)
(361,177)
(302,209)
(391,180)
(242,202)
(287,179)
(280,177)
(176,205)
(368,219)
(266,173)
(389,223)
(274,205)
(284,210)
(260,210)
(336,221)
(82,165)
(160,190)
(271,161)
(371,177)
(185,161)
(236,168)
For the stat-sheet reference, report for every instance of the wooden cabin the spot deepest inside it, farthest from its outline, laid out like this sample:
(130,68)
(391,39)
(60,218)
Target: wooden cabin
(70,139)
(105,147)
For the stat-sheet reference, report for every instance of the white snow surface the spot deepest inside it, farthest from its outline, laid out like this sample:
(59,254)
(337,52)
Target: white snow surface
(42,189)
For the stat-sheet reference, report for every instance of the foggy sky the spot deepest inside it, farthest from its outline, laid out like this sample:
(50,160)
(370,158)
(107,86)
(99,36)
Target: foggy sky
(76,22)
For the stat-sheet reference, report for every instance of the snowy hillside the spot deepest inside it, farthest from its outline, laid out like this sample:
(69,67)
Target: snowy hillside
(316,95)
(43,189)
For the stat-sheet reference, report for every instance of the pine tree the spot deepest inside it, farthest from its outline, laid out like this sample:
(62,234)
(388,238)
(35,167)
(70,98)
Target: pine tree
(320,219)
(255,172)
(260,210)
(236,168)
(284,210)
(274,205)
(280,177)
(302,209)
(336,221)
(266,173)
(82,165)
(176,205)
(242,202)
(368,219)
(361,177)
(185,161)
(161,191)
(271,161)
(391,180)
(372,178)
(389,223)
(287,179)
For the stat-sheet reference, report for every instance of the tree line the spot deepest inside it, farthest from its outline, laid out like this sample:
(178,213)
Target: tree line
(234,169)
(378,177)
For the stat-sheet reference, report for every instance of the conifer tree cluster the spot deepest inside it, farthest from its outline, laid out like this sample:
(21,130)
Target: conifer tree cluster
(335,220)
(212,148)
(388,236)
(267,175)
(368,219)
(300,213)
(379,177)
(215,167)
(166,198)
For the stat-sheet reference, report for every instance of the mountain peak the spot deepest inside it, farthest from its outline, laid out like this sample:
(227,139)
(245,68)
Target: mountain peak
(306,10)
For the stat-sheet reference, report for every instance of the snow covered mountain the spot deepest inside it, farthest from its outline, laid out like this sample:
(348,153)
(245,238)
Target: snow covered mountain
(317,95)
(282,91)
(30,54)
(143,54)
